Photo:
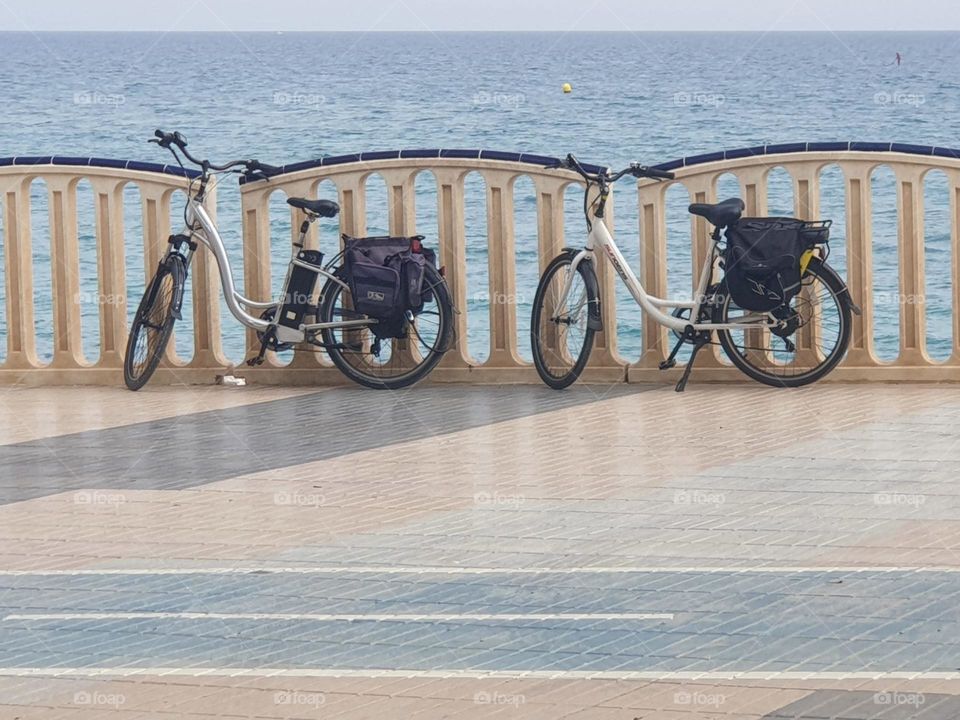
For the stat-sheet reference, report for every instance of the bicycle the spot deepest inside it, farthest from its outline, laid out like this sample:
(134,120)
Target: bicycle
(813,328)
(347,336)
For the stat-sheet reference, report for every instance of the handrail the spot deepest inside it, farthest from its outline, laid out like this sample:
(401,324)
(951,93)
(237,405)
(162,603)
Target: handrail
(399,169)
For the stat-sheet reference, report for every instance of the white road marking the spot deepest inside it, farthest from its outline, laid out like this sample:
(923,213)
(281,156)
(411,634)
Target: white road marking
(410,570)
(199,672)
(325,617)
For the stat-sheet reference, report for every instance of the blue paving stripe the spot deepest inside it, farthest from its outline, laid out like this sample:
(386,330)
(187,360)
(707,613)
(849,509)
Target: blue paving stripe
(198,448)
(816,622)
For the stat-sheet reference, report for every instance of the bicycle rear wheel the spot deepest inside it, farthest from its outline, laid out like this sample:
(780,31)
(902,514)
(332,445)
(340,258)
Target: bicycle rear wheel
(390,363)
(560,331)
(153,323)
(820,340)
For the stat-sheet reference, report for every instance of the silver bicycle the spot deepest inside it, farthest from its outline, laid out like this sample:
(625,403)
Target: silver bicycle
(793,344)
(293,318)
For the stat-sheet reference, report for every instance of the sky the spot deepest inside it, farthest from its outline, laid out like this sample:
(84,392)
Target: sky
(439,15)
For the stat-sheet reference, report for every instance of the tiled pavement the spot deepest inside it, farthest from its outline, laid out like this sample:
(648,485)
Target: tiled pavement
(732,552)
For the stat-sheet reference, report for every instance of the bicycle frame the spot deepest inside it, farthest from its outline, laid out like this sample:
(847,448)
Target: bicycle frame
(201,227)
(600,238)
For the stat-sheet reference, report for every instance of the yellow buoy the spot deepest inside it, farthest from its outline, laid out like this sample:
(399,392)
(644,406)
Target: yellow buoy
(567,88)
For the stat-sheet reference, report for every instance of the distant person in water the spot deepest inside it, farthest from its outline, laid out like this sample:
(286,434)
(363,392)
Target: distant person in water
(899,59)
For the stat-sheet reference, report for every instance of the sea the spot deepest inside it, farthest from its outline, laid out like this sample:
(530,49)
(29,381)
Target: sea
(647,97)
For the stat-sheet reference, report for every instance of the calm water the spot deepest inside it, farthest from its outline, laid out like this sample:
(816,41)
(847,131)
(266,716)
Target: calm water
(289,97)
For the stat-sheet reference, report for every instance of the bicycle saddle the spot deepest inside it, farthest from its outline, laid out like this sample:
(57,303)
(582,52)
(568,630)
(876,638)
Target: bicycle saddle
(719,214)
(323,208)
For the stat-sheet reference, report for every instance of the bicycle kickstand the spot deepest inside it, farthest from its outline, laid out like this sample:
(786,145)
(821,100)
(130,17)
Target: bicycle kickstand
(697,344)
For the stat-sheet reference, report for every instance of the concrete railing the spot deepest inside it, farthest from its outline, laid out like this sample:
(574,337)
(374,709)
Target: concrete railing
(805,162)
(450,169)
(107,178)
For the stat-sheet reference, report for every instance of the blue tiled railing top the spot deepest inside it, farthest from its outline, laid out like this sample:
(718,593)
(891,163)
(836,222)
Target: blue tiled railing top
(784,148)
(517,157)
(99,162)
(524,158)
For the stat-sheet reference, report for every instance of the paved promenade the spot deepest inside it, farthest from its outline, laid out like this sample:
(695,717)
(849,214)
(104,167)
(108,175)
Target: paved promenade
(472,552)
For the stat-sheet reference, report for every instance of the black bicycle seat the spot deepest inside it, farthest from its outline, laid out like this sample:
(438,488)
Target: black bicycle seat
(323,208)
(719,214)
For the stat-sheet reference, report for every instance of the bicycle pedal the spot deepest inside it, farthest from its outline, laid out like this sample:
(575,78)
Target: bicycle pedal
(667,364)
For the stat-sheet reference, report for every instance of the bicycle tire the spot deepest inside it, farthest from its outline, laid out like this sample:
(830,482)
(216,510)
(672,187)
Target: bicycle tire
(153,322)
(352,362)
(543,355)
(823,273)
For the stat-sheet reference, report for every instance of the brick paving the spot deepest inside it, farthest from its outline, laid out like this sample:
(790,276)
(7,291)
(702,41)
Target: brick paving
(621,552)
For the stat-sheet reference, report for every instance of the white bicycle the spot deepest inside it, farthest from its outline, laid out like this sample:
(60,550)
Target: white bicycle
(353,341)
(793,344)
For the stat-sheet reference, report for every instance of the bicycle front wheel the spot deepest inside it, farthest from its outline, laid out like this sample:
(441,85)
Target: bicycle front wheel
(820,321)
(389,363)
(560,332)
(153,323)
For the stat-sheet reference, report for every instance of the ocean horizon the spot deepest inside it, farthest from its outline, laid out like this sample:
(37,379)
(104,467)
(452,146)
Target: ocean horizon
(652,97)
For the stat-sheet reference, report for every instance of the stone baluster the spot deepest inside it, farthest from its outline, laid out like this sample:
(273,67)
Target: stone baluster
(954,179)
(702,189)
(502,278)
(207,339)
(806,206)
(18,268)
(753,184)
(453,243)
(111,269)
(65,271)
(910,241)
(859,209)
(653,267)
(257,281)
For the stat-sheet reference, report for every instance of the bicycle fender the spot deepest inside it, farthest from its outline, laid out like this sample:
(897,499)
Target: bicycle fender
(845,293)
(594,317)
(177,267)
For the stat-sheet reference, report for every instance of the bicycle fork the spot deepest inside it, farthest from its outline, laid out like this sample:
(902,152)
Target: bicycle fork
(176,242)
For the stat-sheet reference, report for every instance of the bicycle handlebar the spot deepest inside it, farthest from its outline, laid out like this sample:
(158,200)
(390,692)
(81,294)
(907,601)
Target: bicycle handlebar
(635,169)
(169,140)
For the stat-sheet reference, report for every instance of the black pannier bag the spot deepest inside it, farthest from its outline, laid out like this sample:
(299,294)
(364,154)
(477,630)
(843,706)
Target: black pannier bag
(386,276)
(762,259)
